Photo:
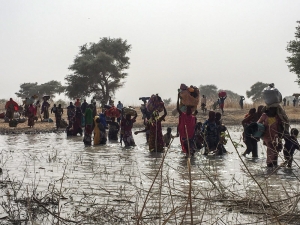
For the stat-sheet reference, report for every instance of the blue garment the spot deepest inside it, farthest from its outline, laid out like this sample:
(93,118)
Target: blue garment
(222,100)
(210,131)
(102,119)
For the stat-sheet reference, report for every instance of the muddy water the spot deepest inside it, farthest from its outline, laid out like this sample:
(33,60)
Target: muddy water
(109,184)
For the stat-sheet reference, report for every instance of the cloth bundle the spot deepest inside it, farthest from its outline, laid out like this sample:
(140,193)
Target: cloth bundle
(155,103)
(222,94)
(113,112)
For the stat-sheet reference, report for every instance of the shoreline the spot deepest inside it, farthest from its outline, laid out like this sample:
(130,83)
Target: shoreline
(231,117)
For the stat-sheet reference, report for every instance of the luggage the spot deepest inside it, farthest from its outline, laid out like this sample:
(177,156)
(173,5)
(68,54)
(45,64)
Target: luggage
(222,94)
(2,115)
(113,112)
(271,95)
(130,111)
(155,103)
(13,123)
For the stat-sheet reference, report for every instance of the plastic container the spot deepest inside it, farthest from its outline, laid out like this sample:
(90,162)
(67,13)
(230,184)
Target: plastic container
(255,130)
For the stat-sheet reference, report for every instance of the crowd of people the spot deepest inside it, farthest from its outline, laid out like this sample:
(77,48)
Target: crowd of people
(268,123)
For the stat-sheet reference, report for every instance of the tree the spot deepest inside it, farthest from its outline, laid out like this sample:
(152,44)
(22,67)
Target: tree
(232,96)
(98,69)
(293,47)
(50,88)
(210,91)
(167,101)
(255,92)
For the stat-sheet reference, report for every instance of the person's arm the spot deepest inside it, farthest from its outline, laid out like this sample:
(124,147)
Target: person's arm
(262,118)
(140,131)
(165,113)
(178,109)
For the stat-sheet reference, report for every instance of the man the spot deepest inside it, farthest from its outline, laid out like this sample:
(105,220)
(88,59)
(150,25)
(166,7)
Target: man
(120,107)
(71,113)
(222,103)
(242,102)
(284,102)
(84,105)
(203,103)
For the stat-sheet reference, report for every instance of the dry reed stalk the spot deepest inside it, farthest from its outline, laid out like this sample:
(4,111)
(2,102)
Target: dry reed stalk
(259,186)
(161,164)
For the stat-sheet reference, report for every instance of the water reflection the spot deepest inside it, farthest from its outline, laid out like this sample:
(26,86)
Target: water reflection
(103,174)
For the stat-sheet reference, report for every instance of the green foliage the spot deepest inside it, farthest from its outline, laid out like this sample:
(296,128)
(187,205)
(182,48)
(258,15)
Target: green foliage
(62,102)
(293,48)
(211,92)
(167,101)
(255,92)
(98,69)
(50,88)
(232,96)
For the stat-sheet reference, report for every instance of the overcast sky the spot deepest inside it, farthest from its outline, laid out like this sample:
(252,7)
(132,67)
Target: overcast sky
(231,44)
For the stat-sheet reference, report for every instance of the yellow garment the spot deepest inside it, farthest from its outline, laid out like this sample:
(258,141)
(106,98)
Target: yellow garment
(271,120)
(96,132)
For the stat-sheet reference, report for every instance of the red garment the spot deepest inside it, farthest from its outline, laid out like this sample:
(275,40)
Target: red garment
(77,103)
(189,122)
(11,102)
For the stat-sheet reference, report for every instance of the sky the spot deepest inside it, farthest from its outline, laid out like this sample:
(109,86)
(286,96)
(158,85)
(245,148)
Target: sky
(232,44)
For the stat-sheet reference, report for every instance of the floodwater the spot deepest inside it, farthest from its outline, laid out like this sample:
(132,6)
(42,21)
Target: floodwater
(111,184)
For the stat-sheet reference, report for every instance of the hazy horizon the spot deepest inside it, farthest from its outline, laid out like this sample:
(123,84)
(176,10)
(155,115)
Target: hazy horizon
(232,44)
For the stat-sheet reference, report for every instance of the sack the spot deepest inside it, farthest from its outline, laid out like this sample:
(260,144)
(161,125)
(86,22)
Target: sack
(255,130)
(271,95)
(188,100)
(155,103)
(222,94)
(50,120)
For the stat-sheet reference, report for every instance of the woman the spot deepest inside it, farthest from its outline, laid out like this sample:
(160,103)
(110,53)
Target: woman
(113,129)
(99,132)
(186,129)
(88,126)
(126,129)
(77,122)
(38,110)
(45,110)
(210,131)
(250,141)
(156,142)
(272,135)
(30,113)
(11,107)
(58,113)
(221,135)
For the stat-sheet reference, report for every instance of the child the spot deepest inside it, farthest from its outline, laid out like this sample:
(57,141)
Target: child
(168,136)
(291,144)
